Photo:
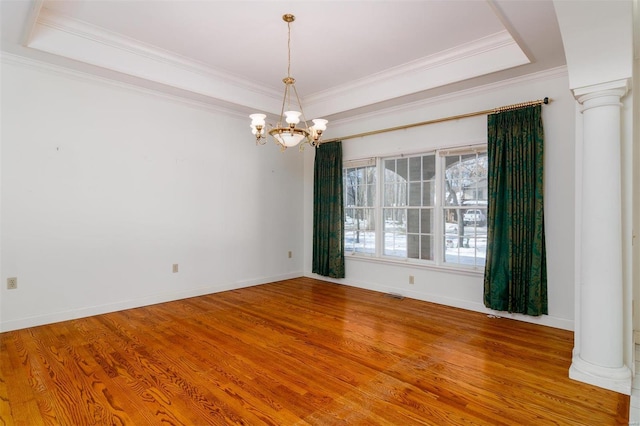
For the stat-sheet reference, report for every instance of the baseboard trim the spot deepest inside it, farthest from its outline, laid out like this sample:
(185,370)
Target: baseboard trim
(60,316)
(545,320)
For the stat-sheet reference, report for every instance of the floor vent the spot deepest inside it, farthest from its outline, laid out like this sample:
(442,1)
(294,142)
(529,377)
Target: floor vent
(395,295)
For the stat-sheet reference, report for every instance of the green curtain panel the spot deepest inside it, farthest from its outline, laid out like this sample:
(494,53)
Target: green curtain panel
(328,220)
(515,277)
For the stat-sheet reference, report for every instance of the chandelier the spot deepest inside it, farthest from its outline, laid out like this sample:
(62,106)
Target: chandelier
(286,132)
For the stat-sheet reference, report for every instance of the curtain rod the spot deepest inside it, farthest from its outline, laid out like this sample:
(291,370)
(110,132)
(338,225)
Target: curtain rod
(440,120)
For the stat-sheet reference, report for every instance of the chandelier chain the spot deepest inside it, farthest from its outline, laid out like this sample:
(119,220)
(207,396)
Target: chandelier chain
(289,50)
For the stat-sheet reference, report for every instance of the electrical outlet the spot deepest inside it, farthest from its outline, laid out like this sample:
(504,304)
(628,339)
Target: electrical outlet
(12,283)
(411,280)
(175,268)
(290,255)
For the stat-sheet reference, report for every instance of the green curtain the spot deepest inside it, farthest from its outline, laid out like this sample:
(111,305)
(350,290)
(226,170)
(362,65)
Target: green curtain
(328,220)
(515,277)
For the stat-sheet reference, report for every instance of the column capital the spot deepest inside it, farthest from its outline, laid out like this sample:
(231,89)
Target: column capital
(617,88)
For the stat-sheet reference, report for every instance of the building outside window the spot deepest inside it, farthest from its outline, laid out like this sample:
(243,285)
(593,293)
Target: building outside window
(432,207)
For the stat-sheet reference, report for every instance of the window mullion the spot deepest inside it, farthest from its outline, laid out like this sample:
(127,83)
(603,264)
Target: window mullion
(378,207)
(439,212)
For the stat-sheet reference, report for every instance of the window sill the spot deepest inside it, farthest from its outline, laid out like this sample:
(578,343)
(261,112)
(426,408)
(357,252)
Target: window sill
(476,272)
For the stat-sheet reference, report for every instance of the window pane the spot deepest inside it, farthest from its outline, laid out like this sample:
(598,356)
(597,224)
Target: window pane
(395,186)
(415,194)
(390,165)
(466,179)
(395,230)
(465,232)
(360,199)
(428,193)
(415,174)
(360,230)
(453,231)
(451,160)
(413,246)
(394,220)
(481,166)
(348,216)
(428,167)
(426,221)
(401,194)
(369,193)
(426,250)
(390,195)
(401,164)
(465,237)
(413,221)
(395,245)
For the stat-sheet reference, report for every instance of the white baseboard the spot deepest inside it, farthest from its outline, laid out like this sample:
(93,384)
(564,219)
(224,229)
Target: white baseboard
(546,320)
(84,312)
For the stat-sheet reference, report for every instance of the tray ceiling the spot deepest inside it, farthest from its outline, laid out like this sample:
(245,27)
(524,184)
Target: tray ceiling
(347,56)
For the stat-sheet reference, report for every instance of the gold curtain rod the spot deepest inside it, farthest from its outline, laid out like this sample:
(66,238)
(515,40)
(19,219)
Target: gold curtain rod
(440,120)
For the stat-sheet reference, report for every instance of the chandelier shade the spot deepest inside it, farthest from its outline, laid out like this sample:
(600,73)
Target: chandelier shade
(292,128)
(289,139)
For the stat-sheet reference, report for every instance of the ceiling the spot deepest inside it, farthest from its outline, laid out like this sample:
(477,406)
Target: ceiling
(348,57)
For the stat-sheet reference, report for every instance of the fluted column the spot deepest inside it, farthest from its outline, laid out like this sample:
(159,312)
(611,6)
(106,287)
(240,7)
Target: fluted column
(598,358)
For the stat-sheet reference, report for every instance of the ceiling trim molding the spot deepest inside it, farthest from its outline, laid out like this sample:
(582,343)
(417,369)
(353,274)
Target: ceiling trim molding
(30,24)
(108,38)
(47,67)
(483,56)
(38,65)
(558,72)
(71,38)
(458,53)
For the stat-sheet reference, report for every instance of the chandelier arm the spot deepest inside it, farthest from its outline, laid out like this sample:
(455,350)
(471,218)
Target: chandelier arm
(284,101)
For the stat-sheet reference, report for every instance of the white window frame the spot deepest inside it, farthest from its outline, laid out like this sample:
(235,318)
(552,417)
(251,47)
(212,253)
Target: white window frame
(439,207)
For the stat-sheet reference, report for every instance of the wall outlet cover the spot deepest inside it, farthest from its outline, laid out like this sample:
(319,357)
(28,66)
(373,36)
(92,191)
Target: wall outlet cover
(12,283)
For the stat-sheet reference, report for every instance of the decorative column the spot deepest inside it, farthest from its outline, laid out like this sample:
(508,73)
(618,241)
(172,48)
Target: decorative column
(598,358)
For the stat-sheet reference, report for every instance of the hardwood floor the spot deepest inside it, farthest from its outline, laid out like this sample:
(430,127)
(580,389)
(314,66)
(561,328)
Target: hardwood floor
(296,352)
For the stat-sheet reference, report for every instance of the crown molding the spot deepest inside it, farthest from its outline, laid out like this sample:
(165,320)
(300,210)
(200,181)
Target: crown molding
(78,40)
(558,72)
(440,59)
(32,17)
(49,68)
(103,37)
(493,53)
(63,36)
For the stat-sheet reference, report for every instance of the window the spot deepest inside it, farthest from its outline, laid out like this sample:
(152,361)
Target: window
(432,207)
(465,208)
(360,188)
(408,207)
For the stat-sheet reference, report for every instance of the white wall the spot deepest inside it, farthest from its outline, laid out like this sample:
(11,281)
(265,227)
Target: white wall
(459,289)
(105,187)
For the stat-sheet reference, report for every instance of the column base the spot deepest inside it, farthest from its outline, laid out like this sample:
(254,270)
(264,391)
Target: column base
(615,379)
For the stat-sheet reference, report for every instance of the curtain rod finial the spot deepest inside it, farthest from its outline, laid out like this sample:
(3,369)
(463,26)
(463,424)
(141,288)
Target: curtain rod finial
(546,100)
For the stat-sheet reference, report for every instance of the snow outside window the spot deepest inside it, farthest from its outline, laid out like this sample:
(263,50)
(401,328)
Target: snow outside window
(428,208)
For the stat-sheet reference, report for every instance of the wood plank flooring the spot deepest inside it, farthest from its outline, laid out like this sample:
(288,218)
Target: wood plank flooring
(296,352)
